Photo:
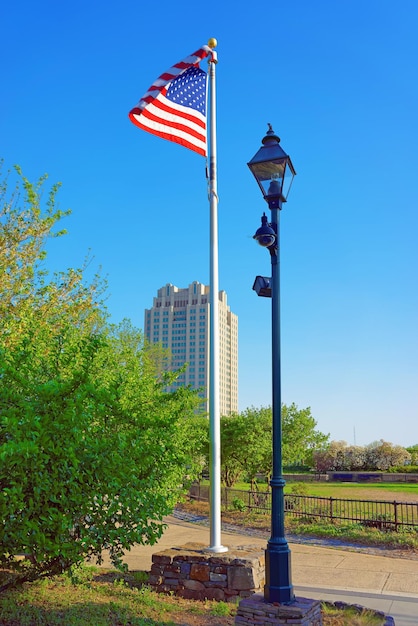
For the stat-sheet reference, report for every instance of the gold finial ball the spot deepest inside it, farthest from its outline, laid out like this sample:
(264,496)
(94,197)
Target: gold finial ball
(212,43)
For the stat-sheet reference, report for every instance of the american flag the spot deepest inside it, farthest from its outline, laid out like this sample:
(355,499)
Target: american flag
(174,107)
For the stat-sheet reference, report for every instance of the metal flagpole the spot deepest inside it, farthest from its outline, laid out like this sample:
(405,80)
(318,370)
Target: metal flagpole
(214,413)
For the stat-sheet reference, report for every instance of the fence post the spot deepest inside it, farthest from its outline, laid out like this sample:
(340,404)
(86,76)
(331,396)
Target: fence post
(331,512)
(395,506)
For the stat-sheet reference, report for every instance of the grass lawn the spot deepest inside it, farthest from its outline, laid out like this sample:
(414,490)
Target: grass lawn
(99,598)
(406,492)
(363,491)
(103,599)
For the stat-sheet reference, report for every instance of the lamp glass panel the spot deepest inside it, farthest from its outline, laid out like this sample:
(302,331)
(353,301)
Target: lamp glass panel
(288,180)
(267,172)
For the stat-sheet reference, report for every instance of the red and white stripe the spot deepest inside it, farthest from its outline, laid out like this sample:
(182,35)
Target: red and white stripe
(156,114)
(177,69)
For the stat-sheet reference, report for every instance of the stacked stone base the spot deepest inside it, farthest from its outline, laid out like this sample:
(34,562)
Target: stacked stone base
(194,572)
(255,610)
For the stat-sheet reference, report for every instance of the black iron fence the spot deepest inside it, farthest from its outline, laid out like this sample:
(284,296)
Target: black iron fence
(382,514)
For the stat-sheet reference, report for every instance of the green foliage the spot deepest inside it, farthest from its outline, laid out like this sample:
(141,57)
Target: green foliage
(222,609)
(246,441)
(28,297)
(238,504)
(93,451)
(299,435)
(299,489)
(404,469)
(81,574)
(245,445)
(413,451)
(353,615)
(297,469)
(99,603)
(139,577)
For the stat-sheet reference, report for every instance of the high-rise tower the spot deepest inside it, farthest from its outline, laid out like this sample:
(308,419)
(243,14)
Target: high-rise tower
(179,320)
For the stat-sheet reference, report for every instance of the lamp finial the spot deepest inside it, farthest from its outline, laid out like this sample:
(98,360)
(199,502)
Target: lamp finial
(271,136)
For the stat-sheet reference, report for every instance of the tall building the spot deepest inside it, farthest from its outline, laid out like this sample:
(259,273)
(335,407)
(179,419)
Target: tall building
(180,320)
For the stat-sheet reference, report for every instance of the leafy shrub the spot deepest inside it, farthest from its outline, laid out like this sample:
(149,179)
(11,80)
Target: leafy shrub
(238,505)
(299,489)
(81,574)
(221,609)
(404,469)
(297,469)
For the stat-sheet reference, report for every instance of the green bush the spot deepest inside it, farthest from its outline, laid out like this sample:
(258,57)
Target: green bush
(238,505)
(297,469)
(85,418)
(299,489)
(81,574)
(404,469)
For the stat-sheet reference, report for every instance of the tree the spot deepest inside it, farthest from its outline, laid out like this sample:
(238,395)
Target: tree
(246,441)
(413,451)
(382,455)
(379,455)
(26,224)
(338,456)
(245,445)
(258,440)
(330,457)
(355,458)
(232,450)
(299,435)
(93,451)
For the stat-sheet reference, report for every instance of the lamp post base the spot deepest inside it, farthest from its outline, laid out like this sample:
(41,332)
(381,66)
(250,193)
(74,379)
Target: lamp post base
(278,587)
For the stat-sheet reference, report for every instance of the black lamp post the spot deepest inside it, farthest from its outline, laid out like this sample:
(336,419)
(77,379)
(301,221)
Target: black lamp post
(274,172)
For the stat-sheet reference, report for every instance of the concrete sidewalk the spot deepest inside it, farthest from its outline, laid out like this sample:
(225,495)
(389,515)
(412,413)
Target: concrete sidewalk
(383,583)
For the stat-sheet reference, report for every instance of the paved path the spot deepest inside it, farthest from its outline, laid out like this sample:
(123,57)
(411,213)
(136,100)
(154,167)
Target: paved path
(375,581)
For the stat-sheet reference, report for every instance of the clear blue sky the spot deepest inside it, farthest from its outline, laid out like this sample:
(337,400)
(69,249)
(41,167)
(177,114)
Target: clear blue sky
(338,81)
